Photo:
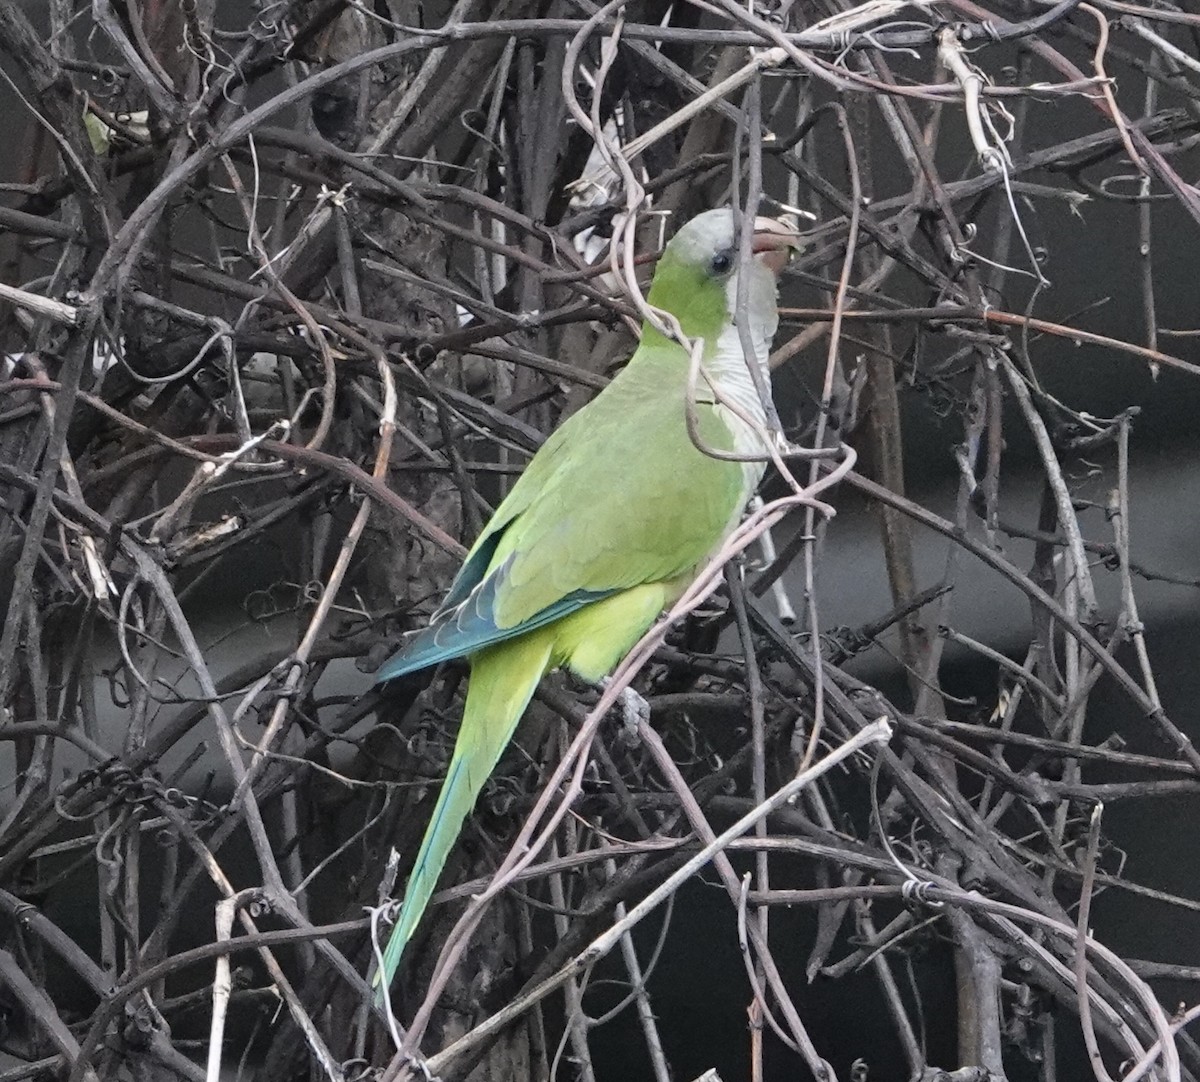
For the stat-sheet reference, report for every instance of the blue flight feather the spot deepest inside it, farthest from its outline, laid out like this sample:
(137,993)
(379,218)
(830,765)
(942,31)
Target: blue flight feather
(470,625)
(471,574)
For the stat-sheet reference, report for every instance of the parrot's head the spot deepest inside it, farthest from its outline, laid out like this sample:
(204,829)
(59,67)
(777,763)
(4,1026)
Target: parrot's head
(696,279)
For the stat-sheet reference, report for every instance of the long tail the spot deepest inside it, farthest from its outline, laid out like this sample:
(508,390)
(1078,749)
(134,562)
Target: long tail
(503,680)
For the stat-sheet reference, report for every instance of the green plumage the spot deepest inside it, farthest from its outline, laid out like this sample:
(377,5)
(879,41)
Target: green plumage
(503,678)
(607,525)
(619,495)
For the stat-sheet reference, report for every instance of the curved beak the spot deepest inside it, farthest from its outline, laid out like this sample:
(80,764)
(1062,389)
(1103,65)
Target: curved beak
(773,242)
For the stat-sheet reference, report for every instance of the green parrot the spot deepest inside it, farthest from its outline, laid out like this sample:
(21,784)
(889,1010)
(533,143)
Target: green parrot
(607,526)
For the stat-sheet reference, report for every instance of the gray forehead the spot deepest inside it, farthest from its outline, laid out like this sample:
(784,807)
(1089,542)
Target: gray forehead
(705,235)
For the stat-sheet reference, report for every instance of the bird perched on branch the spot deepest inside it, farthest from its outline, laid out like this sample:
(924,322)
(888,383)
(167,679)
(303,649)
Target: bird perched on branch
(609,523)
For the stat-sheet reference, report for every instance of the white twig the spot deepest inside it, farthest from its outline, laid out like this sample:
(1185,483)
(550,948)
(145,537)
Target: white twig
(43,306)
(952,56)
(222,983)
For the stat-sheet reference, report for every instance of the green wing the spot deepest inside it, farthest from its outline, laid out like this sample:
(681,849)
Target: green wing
(621,496)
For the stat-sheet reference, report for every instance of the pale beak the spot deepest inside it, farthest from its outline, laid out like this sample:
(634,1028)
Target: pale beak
(774,242)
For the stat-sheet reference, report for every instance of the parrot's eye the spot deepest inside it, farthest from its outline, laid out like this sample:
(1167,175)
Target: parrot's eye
(721,263)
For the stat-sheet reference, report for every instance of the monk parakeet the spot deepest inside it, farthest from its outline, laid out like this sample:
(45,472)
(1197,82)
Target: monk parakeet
(608,524)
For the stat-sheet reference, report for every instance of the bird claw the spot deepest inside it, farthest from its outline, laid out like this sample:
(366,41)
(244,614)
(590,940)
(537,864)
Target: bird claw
(635,711)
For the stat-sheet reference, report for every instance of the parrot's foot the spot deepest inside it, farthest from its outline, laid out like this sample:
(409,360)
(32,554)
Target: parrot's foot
(634,712)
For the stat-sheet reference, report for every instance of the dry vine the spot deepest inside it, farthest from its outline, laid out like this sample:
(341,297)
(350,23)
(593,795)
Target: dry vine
(298,285)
